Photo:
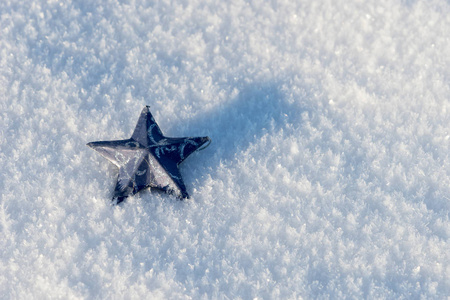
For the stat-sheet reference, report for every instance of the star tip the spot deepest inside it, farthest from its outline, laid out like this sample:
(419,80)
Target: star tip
(117,200)
(206,142)
(146,109)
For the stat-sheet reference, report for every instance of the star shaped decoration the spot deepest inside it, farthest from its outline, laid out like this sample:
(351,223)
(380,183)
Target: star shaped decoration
(149,159)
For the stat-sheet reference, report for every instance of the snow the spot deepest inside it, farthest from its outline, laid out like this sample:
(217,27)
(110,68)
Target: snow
(328,175)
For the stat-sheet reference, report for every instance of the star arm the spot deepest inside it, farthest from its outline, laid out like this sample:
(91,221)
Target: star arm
(119,152)
(147,132)
(178,188)
(160,175)
(110,150)
(178,149)
(125,184)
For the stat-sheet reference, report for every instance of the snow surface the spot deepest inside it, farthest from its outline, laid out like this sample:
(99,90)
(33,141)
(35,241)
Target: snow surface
(328,175)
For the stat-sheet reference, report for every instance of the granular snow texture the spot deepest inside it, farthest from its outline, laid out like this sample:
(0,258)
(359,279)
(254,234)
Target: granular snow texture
(328,175)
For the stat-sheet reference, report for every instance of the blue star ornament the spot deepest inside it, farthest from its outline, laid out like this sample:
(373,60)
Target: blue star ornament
(149,159)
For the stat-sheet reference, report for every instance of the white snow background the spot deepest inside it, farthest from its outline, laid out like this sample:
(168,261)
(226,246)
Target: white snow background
(328,175)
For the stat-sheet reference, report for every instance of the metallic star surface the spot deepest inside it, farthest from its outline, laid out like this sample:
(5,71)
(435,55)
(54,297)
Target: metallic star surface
(149,159)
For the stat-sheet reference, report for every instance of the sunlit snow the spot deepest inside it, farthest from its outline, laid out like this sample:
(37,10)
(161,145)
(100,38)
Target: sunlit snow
(328,175)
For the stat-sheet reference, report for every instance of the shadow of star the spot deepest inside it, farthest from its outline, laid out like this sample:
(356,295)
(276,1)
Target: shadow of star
(149,159)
